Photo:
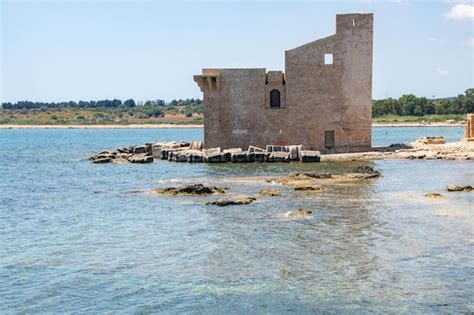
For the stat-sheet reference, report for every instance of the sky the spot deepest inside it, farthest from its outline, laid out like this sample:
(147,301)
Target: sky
(92,50)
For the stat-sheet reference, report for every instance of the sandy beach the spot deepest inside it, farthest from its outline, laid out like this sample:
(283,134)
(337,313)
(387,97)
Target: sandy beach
(135,126)
(168,126)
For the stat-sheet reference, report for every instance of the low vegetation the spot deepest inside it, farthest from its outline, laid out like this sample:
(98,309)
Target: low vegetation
(406,109)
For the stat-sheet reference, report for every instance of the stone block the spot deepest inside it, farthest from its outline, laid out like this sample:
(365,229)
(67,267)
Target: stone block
(294,151)
(260,156)
(238,157)
(255,149)
(141,158)
(212,150)
(251,157)
(215,157)
(139,149)
(179,157)
(196,145)
(156,152)
(310,156)
(232,150)
(279,156)
(148,147)
(194,156)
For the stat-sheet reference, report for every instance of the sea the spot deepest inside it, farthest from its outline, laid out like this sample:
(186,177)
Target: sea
(83,238)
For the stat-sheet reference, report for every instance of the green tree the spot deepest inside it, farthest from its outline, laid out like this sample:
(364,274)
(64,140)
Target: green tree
(129,103)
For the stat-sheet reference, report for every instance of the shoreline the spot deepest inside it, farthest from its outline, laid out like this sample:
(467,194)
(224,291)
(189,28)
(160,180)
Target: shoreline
(172,126)
(132,126)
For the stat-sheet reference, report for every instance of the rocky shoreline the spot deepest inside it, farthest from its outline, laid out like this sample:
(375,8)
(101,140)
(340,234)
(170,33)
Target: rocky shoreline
(427,148)
(309,184)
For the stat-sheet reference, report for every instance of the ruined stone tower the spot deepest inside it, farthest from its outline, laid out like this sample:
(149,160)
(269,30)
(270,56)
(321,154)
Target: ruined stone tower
(323,100)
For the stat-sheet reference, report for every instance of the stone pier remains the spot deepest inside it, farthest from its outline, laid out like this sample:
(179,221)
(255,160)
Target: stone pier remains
(194,152)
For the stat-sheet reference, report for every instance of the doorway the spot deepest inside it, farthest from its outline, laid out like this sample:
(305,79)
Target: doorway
(329,139)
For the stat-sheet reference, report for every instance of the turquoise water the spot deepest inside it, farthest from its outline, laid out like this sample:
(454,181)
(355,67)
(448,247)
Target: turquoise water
(82,238)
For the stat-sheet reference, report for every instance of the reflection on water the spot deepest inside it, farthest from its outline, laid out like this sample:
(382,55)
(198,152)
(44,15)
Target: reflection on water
(77,237)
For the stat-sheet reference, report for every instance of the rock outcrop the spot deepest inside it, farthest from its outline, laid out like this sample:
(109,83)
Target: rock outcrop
(269,192)
(300,213)
(308,188)
(431,140)
(434,195)
(459,188)
(231,201)
(191,190)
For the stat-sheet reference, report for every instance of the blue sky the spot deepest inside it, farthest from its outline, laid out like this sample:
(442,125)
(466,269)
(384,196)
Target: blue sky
(90,50)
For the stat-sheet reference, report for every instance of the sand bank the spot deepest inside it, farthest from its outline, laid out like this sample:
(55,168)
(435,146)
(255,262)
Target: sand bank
(135,126)
(168,126)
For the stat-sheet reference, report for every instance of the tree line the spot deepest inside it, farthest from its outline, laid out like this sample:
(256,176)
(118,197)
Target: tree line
(405,105)
(411,105)
(115,103)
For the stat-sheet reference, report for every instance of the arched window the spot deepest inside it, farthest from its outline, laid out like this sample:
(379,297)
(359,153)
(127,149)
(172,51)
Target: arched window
(275,99)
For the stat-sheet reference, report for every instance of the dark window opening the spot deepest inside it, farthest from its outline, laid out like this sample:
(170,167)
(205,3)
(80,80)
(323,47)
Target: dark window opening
(275,99)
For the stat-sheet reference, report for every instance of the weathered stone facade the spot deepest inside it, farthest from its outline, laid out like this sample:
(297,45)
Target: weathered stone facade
(469,128)
(322,101)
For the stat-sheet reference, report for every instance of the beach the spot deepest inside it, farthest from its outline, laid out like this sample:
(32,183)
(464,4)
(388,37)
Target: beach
(168,126)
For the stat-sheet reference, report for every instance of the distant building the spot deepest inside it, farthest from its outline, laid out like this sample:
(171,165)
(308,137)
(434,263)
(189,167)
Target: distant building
(469,128)
(323,100)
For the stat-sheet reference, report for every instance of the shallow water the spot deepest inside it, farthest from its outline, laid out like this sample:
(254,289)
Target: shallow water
(79,237)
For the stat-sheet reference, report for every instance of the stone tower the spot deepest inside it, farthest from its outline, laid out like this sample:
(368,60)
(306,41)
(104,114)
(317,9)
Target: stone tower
(323,100)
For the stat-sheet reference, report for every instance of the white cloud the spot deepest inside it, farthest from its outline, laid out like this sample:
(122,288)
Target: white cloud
(461,12)
(442,71)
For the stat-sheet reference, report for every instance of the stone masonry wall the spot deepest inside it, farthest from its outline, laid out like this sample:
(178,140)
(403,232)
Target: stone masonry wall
(314,97)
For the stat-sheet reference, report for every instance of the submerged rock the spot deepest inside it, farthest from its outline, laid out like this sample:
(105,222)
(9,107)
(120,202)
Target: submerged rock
(434,195)
(310,175)
(431,140)
(119,160)
(363,172)
(101,160)
(103,157)
(308,188)
(300,213)
(367,170)
(459,188)
(269,192)
(191,190)
(237,200)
